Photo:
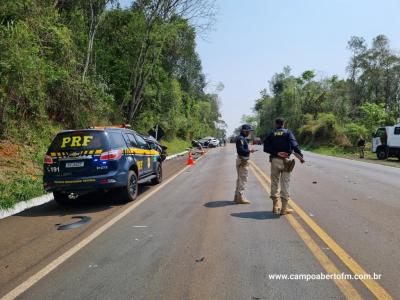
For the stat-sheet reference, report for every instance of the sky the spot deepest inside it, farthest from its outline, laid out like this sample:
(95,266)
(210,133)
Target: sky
(254,39)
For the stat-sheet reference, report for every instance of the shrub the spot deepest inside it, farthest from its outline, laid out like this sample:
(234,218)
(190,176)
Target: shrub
(353,131)
(323,131)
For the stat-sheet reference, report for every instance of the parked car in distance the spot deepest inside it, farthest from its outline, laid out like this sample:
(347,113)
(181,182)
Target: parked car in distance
(213,143)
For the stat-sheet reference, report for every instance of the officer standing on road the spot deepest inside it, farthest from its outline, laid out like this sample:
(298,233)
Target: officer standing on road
(280,144)
(361,146)
(242,163)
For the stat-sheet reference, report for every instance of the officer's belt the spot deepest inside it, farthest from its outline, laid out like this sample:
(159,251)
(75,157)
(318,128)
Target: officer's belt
(244,157)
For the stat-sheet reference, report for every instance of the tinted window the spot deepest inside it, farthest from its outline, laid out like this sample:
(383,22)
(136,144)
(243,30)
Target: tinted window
(381,132)
(116,140)
(79,140)
(132,140)
(152,146)
(141,142)
(397,130)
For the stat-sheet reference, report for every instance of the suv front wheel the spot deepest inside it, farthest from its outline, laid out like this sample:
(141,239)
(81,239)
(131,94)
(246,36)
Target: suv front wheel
(130,191)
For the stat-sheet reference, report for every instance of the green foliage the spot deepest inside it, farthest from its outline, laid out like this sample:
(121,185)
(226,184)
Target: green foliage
(323,131)
(44,50)
(63,67)
(334,111)
(21,172)
(23,187)
(373,115)
(354,131)
(176,145)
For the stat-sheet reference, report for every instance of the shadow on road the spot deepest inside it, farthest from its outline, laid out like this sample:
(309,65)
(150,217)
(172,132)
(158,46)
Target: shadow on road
(91,203)
(219,203)
(257,215)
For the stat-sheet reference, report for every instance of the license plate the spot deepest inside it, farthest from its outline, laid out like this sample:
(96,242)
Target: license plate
(75,164)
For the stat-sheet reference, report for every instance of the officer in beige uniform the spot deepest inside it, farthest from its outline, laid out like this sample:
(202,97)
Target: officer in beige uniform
(280,144)
(242,163)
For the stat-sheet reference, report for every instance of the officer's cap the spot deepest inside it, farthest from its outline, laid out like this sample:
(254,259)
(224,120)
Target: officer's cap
(247,127)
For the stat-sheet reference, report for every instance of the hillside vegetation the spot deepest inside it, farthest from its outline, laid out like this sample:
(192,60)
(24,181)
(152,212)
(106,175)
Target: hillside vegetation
(78,63)
(333,111)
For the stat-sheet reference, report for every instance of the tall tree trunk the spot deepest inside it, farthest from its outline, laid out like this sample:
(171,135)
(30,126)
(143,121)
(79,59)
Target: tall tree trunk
(95,20)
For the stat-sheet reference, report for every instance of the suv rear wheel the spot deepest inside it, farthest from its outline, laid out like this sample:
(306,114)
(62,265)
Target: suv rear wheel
(130,191)
(61,198)
(158,178)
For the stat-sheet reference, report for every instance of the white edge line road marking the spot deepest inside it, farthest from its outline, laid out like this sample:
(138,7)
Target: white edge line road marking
(17,291)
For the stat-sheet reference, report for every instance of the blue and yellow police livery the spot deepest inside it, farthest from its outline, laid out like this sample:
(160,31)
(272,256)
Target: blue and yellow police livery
(82,161)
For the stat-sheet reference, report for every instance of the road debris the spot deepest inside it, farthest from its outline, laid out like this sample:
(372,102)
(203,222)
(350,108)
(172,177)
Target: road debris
(82,221)
(200,259)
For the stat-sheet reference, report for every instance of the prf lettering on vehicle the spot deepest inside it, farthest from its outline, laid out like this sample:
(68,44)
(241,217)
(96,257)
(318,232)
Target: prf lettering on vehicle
(76,141)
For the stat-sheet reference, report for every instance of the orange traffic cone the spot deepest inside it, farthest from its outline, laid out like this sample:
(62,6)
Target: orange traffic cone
(190,161)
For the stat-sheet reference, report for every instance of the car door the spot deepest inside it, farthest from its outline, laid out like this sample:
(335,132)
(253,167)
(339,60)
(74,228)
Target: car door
(135,151)
(395,140)
(379,138)
(146,154)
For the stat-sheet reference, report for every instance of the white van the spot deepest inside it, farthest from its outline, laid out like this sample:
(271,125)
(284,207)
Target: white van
(386,142)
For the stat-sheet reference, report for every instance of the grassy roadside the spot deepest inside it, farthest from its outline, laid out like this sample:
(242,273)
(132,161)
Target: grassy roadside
(176,145)
(353,154)
(21,162)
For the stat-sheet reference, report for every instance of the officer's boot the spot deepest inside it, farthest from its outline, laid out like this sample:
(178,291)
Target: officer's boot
(236,199)
(275,207)
(239,199)
(285,210)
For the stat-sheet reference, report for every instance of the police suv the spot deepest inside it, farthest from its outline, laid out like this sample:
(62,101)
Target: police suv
(99,159)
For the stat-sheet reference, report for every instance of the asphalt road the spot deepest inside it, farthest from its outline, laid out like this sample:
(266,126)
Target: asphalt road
(30,239)
(188,240)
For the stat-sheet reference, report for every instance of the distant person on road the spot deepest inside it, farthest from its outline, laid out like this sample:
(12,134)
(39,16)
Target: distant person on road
(242,163)
(280,144)
(361,146)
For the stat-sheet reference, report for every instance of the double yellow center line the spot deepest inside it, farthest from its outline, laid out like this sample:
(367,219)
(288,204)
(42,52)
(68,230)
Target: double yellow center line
(344,285)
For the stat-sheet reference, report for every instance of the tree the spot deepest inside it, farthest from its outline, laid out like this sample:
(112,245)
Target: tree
(94,11)
(159,17)
(73,63)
